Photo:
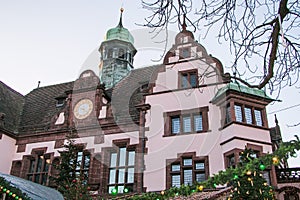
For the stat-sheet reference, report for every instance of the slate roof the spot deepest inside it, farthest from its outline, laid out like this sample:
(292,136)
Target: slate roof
(40,106)
(11,103)
(129,92)
(35,110)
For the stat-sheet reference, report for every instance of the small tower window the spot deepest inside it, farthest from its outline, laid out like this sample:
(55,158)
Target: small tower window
(121,53)
(110,53)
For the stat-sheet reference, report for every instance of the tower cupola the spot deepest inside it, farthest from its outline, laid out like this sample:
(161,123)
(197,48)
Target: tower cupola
(117,53)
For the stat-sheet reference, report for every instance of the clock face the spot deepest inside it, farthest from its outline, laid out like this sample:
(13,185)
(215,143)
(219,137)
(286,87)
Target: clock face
(83,108)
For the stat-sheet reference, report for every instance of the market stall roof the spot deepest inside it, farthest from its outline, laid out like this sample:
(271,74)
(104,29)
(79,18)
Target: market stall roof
(33,190)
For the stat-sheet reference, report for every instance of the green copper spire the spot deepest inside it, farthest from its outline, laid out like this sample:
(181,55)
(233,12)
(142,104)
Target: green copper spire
(119,32)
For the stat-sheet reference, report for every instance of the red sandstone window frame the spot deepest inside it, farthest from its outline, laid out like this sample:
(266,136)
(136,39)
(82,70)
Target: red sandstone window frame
(230,115)
(116,150)
(180,161)
(168,116)
(189,83)
(39,166)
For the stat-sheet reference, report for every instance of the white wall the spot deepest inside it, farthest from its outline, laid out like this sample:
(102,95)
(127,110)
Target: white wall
(7,150)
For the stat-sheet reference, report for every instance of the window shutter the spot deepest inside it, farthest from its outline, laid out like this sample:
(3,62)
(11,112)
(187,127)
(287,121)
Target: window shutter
(175,125)
(238,113)
(248,115)
(258,119)
(187,124)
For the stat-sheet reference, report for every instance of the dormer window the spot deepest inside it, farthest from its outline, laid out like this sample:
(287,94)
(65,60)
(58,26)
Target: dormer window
(188,79)
(60,101)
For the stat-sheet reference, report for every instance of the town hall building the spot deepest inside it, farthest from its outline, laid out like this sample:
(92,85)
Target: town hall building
(146,129)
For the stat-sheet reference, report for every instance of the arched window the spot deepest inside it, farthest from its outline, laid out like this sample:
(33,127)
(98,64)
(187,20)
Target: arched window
(121,53)
(110,53)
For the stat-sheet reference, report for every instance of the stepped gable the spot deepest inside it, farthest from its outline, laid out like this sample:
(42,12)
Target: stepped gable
(40,106)
(129,92)
(11,104)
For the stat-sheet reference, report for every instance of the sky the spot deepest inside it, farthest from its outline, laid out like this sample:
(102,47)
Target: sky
(53,41)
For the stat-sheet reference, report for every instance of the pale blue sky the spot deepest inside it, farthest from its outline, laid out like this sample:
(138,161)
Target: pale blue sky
(50,41)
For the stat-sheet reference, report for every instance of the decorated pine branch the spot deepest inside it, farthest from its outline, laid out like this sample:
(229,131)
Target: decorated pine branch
(8,190)
(246,180)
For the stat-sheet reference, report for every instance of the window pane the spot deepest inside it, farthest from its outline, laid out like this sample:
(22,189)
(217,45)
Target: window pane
(37,178)
(200,177)
(176,181)
(112,176)
(188,177)
(238,113)
(39,163)
(79,160)
(113,160)
(120,189)
(185,53)
(198,126)
(44,179)
(228,114)
(258,118)
(187,162)
(200,165)
(32,165)
(122,156)
(86,162)
(231,160)
(187,124)
(121,177)
(175,125)
(131,155)
(175,168)
(248,115)
(110,189)
(193,80)
(184,81)
(266,176)
(130,177)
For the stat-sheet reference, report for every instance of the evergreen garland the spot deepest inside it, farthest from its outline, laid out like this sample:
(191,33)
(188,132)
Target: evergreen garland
(246,179)
(10,191)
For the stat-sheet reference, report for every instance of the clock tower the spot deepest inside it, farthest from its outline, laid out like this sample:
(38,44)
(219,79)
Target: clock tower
(117,53)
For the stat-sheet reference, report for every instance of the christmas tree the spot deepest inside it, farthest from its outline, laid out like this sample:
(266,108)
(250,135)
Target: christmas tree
(71,183)
(251,184)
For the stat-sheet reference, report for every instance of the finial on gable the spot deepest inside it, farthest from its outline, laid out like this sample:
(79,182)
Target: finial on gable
(184,23)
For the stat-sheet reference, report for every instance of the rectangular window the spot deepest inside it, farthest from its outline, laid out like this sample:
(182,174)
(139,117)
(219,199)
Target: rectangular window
(244,113)
(121,171)
(188,177)
(38,168)
(175,125)
(187,124)
(185,53)
(198,123)
(191,121)
(248,115)
(258,118)
(176,181)
(238,113)
(186,171)
(188,79)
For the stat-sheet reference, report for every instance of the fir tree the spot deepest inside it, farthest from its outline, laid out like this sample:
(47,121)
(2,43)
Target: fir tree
(251,184)
(72,185)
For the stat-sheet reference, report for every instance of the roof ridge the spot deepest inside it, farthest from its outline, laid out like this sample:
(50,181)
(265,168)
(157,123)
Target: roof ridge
(11,89)
(48,86)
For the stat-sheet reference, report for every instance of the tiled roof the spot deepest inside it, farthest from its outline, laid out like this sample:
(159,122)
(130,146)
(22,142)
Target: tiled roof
(129,92)
(40,105)
(11,103)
